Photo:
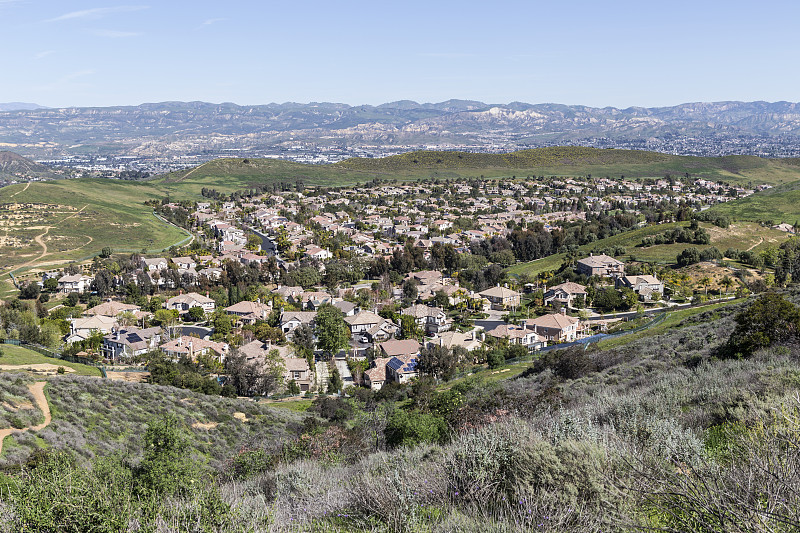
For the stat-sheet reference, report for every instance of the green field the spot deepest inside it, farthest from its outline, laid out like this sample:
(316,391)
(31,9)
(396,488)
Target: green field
(19,355)
(740,235)
(75,219)
(780,204)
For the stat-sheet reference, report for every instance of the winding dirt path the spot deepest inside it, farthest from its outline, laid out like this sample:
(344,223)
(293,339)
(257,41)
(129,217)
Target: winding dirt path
(39,239)
(37,390)
(27,184)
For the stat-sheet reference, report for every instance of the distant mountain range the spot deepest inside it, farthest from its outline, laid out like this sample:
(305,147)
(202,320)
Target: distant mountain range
(19,106)
(171,128)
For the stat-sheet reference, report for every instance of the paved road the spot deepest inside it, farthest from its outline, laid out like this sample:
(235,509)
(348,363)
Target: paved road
(344,373)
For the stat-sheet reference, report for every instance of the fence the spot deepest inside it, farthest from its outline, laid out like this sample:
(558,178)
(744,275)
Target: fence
(54,355)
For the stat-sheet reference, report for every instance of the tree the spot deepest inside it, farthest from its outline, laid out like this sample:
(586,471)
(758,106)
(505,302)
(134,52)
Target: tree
(166,468)
(30,291)
(256,377)
(437,361)
(196,314)
(768,320)
(222,325)
(51,284)
(333,333)
(726,282)
(335,382)
(408,327)
(303,337)
(705,281)
(689,256)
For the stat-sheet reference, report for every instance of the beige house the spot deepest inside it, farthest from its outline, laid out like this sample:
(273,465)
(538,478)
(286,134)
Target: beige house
(555,327)
(501,298)
(565,294)
(191,347)
(601,265)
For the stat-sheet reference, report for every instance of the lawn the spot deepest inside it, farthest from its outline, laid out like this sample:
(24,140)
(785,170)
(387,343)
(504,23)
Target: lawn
(19,355)
(298,406)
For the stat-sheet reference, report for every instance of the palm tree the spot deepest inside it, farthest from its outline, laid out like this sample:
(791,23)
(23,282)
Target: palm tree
(705,281)
(726,282)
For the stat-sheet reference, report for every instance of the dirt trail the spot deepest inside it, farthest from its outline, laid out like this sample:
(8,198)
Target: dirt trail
(28,184)
(37,389)
(39,239)
(760,240)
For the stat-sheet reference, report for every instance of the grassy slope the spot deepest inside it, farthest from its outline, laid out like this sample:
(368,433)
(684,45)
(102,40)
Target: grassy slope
(579,161)
(19,355)
(740,235)
(780,204)
(113,215)
(96,417)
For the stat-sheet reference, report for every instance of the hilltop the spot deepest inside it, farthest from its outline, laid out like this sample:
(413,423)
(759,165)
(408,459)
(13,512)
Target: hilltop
(562,161)
(15,167)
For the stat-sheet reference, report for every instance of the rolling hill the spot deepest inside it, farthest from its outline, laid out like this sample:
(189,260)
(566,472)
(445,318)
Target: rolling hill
(15,167)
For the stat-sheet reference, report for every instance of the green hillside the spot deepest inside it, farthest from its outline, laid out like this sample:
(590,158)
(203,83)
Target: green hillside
(77,218)
(779,204)
(739,235)
(580,161)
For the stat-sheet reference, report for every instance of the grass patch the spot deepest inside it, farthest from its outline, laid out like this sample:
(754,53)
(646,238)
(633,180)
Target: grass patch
(19,355)
(298,406)
(673,320)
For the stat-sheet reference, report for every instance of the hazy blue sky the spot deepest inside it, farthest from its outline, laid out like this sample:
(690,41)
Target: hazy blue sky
(613,53)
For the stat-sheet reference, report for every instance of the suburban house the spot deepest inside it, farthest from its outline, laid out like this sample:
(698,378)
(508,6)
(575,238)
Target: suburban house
(363,321)
(248,312)
(155,264)
(125,343)
(399,348)
(601,265)
(347,308)
(291,320)
(318,253)
(183,302)
(555,327)
(565,294)
(191,347)
(383,331)
(184,262)
(647,287)
(431,320)
(501,298)
(112,308)
(82,328)
(525,336)
(74,283)
(375,377)
(402,369)
(450,339)
(295,368)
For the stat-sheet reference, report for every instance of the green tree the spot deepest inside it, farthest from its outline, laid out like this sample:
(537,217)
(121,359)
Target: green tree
(437,361)
(768,320)
(196,314)
(51,284)
(408,327)
(333,333)
(223,325)
(166,468)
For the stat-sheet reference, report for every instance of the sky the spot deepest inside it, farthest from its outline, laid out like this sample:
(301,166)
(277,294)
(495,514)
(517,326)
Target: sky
(613,53)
